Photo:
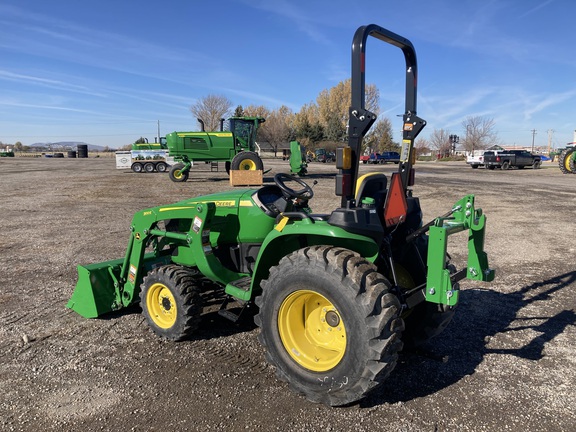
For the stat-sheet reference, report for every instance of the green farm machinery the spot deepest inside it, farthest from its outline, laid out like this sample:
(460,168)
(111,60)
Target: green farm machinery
(236,146)
(338,295)
(567,159)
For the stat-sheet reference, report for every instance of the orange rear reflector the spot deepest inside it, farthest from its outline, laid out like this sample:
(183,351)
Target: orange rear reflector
(395,208)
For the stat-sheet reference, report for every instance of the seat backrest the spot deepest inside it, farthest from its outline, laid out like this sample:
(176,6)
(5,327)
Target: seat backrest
(371,185)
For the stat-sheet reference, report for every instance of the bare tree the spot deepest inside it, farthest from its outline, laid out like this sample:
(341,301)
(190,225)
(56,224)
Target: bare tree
(211,109)
(480,133)
(422,147)
(277,129)
(440,141)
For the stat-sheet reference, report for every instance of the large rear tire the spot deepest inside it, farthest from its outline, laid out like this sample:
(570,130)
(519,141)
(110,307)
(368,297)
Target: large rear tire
(247,160)
(329,324)
(564,159)
(176,174)
(171,302)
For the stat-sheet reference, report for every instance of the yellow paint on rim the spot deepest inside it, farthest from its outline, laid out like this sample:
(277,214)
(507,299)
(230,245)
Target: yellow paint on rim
(312,330)
(161,305)
(247,164)
(567,162)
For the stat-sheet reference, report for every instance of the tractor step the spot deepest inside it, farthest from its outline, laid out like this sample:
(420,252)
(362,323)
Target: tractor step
(242,283)
(228,314)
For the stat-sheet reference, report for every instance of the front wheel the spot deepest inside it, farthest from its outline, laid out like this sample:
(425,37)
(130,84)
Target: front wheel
(171,302)
(505,165)
(247,160)
(176,173)
(329,324)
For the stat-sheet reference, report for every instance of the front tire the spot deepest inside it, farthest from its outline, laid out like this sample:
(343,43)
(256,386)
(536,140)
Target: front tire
(329,324)
(176,174)
(171,302)
(247,160)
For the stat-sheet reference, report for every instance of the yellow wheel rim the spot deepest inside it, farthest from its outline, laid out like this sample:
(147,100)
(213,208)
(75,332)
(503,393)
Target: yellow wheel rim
(567,162)
(161,305)
(177,174)
(248,164)
(312,330)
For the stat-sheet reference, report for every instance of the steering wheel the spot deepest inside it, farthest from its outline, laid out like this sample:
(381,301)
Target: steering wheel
(305,193)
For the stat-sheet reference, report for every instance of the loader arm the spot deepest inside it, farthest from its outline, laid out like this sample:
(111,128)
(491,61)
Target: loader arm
(112,285)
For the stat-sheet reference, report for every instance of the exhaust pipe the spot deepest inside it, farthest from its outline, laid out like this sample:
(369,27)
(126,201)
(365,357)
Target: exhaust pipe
(222,124)
(201,125)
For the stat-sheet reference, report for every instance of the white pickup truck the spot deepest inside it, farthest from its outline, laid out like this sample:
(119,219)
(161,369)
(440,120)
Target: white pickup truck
(475,158)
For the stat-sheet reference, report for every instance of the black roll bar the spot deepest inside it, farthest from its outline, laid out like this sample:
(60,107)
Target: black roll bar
(360,119)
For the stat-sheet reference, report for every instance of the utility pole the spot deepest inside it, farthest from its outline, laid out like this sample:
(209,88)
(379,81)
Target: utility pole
(158,130)
(533,135)
(550,133)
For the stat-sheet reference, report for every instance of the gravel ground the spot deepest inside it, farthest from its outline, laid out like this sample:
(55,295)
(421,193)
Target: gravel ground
(506,362)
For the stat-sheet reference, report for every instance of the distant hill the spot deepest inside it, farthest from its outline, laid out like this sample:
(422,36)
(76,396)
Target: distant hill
(67,145)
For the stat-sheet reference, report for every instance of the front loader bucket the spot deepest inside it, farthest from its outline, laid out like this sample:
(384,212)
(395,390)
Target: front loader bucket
(95,293)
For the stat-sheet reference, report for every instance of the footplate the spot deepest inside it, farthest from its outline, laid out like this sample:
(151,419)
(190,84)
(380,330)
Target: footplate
(439,286)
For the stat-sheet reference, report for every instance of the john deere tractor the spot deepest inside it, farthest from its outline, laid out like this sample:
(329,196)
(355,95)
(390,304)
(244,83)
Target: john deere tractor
(567,159)
(338,294)
(235,146)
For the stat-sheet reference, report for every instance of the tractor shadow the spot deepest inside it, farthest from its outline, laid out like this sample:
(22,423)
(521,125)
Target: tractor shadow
(212,324)
(458,351)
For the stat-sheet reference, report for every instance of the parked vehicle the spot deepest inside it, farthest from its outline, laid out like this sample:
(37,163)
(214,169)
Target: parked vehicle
(323,155)
(390,156)
(507,159)
(235,146)
(476,159)
(380,158)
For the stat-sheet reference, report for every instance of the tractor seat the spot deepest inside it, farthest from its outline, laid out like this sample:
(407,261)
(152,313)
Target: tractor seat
(372,185)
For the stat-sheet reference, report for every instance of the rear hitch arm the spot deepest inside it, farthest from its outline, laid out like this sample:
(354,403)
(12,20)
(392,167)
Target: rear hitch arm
(441,286)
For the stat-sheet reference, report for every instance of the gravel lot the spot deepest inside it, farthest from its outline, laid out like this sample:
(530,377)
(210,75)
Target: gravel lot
(506,362)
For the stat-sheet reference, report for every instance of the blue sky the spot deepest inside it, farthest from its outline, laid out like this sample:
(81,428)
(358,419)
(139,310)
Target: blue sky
(105,72)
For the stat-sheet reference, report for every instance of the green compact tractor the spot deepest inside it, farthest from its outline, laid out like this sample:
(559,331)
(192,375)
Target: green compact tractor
(236,146)
(338,294)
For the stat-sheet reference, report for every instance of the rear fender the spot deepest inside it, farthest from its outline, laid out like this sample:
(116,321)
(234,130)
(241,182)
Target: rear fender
(297,234)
